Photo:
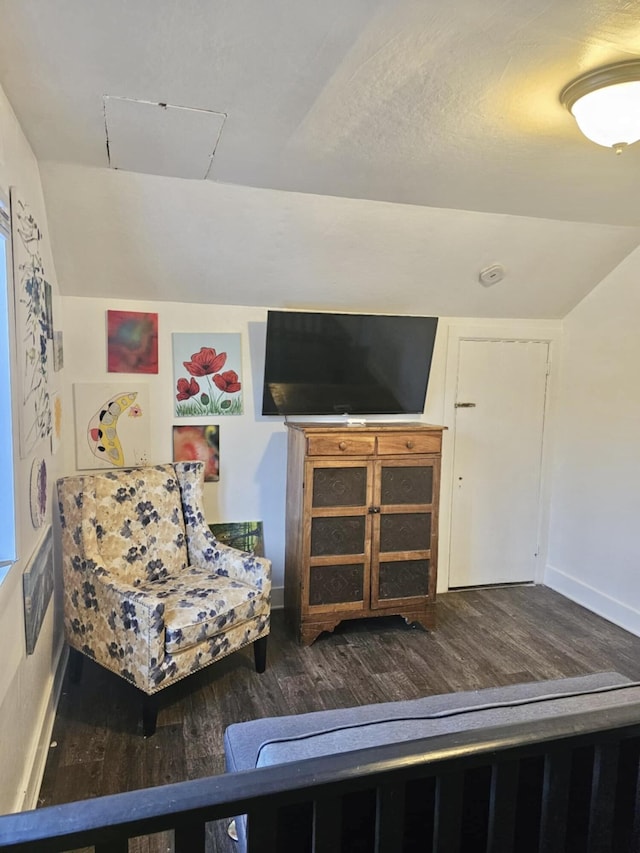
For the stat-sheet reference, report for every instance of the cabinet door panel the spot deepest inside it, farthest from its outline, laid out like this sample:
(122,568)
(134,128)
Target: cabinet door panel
(336,584)
(339,487)
(405,531)
(403,579)
(404,485)
(335,535)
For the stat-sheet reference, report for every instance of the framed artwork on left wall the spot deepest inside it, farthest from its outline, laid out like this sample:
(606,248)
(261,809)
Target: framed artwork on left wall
(32,297)
(37,584)
(58,351)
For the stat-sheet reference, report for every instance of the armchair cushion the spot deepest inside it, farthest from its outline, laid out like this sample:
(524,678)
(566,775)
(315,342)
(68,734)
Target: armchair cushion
(199,604)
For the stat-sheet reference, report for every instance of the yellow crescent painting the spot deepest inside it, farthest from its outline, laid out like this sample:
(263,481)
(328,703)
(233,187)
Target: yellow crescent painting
(102,432)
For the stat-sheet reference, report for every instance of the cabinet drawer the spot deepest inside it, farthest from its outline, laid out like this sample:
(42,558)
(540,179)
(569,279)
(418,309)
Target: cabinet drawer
(341,445)
(407,442)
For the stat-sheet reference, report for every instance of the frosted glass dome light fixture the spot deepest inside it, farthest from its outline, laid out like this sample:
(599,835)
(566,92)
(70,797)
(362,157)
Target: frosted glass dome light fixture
(606,104)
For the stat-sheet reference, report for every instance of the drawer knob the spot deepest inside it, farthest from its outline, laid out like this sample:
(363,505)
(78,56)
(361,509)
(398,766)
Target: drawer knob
(343,445)
(410,444)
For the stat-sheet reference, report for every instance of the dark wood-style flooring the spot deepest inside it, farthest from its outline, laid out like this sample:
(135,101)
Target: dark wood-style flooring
(485,638)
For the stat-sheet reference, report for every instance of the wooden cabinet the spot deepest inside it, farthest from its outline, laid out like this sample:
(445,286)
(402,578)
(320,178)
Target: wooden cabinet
(362,524)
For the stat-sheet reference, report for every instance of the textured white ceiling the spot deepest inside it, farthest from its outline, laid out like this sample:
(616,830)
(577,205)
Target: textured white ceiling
(441,104)
(419,102)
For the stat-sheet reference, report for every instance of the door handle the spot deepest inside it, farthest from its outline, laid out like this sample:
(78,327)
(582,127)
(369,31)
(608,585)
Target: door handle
(465,405)
(373,510)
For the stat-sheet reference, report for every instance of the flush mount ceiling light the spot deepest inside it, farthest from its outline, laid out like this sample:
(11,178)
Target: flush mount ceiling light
(606,104)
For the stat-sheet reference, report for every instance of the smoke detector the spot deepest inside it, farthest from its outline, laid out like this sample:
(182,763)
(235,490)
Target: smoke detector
(491,275)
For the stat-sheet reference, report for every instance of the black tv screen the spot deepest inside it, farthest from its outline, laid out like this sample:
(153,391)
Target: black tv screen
(346,364)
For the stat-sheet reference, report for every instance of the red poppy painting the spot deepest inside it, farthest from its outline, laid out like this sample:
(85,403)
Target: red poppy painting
(207,374)
(187,390)
(227,381)
(205,362)
(132,342)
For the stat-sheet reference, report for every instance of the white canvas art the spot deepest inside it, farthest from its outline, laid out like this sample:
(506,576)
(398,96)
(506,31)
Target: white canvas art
(112,423)
(32,325)
(207,374)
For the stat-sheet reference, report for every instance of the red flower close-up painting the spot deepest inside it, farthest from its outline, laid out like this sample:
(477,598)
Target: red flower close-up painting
(199,444)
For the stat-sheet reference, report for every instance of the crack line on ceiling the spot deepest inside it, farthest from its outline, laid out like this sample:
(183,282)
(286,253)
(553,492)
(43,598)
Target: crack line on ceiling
(106,128)
(165,106)
(215,146)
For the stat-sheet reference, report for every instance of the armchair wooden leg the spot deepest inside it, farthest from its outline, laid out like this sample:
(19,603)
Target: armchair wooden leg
(149,714)
(76,659)
(260,654)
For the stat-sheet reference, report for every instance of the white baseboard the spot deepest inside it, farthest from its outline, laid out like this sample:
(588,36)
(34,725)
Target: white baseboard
(30,800)
(593,599)
(277,597)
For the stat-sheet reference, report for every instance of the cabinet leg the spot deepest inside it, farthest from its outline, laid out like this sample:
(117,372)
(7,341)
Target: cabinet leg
(427,621)
(309,633)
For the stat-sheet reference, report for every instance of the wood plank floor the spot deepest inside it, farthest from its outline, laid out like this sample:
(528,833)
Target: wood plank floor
(485,638)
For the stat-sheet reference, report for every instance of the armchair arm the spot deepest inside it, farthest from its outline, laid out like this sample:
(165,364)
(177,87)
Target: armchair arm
(114,623)
(241,566)
(204,550)
(231,562)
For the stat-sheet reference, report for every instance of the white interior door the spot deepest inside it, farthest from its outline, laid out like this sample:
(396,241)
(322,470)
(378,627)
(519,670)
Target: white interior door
(499,422)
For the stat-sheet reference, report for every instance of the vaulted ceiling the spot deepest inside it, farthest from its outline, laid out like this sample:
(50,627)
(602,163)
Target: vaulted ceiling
(451,107)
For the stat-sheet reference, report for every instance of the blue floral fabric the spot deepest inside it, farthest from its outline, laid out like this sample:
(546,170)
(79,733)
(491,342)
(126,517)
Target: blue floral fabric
(148,591)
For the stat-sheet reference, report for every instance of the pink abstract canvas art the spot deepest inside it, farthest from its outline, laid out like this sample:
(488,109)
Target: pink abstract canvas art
(132,342)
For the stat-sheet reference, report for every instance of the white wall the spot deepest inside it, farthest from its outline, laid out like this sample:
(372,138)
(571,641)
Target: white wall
(594,546)
(252,447)
(27,683)
(251,484)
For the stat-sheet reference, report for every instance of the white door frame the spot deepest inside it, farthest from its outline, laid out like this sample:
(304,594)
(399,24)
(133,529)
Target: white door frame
(496,330)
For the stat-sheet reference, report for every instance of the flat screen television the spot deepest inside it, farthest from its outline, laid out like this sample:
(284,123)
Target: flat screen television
(346,364)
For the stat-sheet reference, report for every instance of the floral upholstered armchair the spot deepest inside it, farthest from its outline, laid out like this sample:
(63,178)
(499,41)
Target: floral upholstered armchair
(148,591)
